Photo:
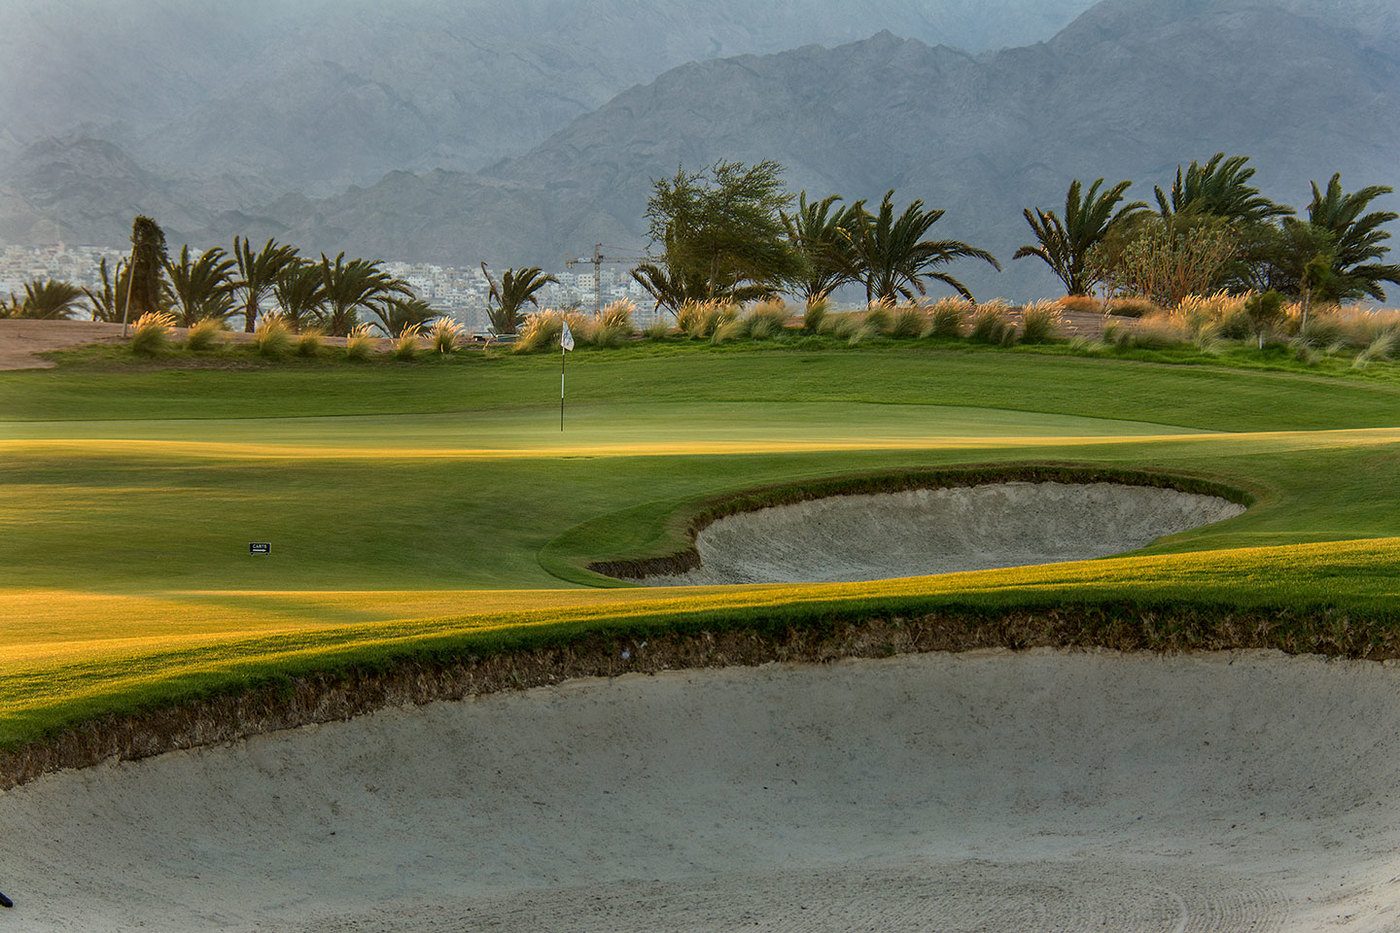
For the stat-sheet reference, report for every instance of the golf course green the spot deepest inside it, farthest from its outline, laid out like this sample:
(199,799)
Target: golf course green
(435,509)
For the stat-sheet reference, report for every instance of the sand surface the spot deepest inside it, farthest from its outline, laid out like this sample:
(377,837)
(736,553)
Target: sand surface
(21,341)
(928,531)
(978,792)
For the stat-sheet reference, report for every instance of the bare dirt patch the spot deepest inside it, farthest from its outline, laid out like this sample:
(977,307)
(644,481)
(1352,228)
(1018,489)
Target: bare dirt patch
(22,342)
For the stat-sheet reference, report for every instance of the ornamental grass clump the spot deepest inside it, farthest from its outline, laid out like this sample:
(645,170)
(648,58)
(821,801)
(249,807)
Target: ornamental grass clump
(1040,322)
(815,312)
(948,316)
(540,331)
(659,329)
(205,336)
(767,320)
(991,325)
(445,337)
(309,343)
(879,316)
(1382,348)
(699,320)
(272,339)
(151,332)
(1132,307)
(840,326)
(907,323)
(406,343)
(1081,304)
(359,343)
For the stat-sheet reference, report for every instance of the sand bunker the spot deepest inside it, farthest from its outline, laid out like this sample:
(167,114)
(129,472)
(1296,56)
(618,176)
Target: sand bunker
(927,531)
(990,791)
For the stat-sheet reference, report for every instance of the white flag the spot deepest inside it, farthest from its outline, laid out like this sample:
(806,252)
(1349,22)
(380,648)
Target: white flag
(566,337)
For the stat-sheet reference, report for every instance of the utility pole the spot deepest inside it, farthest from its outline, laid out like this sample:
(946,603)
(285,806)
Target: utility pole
(597,260)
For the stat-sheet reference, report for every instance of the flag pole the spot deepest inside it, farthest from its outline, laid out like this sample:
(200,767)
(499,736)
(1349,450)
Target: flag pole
(562,354)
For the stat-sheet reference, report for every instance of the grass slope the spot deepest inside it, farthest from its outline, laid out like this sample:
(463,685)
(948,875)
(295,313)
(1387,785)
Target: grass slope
(438,508)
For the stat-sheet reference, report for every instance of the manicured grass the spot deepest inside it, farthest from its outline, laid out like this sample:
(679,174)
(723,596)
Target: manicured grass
(437,507)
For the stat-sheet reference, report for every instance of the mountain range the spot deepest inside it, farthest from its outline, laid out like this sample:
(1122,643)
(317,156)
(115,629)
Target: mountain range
(1128,89)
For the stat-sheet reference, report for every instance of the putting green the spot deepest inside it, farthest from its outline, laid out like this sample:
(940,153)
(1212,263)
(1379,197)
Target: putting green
(438,503)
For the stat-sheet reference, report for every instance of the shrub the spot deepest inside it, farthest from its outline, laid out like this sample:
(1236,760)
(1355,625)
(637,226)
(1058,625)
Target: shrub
(205,335)
(991,326)
(151,332)
(1131,307)
(948,315)
(815,312)
(446,336)
(309,342)
(359,343)
(908,323)
(1081,304)
(406,343)
(1040,322)
(272,339)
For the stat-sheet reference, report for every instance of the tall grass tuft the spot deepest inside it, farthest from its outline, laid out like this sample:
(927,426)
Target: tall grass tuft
(309,343)
(1081,304)
(658,329)
(841,326)
(699,320)
(273,339)
(1132,307)
(406,343)
(359,343)
(729,331)
(1379,349)
(1040,322)
(540,331)
(151,332)
(768,319)
(879,316)
(445,337)
(908,322)
(948,317)
(619,315)
(815,312)
(205,335)
(990,325)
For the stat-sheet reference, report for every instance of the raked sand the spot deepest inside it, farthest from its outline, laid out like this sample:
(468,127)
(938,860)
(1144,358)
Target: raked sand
(1036,791)
(928,531)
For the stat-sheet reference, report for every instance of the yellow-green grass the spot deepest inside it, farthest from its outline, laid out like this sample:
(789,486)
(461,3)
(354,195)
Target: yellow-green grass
(440,509)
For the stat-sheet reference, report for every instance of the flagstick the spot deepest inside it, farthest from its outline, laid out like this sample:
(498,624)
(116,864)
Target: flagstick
(562,354)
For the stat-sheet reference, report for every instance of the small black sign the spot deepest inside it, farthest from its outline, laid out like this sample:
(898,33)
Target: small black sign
(260,547)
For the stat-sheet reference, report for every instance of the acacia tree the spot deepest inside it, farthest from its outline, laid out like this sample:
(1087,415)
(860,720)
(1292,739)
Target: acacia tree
(821,234)
(258,274)
(201,289)
(721,234)
(506,298)
(1166,259)
(354,286)
(893,256)
(1064,244)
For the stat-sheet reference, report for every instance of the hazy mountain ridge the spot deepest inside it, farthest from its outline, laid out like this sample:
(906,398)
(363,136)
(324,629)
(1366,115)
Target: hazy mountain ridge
(1127,91)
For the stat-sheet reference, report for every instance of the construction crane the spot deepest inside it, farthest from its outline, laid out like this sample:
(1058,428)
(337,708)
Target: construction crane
(597,260)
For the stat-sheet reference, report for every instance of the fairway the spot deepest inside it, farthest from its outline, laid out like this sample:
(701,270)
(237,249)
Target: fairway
(438,506)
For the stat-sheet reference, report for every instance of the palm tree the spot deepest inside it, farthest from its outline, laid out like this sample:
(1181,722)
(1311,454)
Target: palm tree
(258,272)
(1064,245)
(1220,188)
(350,287)
(398,315)
(201,289)
(145,287)
(47,300)
(299,290)
(109,303)
(508,296)
(1358,237)
(893,258)
(822,237)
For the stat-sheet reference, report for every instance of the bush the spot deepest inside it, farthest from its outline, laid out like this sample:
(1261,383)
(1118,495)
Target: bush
(309,343)
(991,326)
(205,335)
(948,316)
(1040,322)
(815,312)
(359,344)
(151,332)
(446,336)
(1132,307)
(272,339)
(406,343)
(908,323)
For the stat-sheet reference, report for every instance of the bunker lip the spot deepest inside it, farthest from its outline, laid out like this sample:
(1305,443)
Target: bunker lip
(884,525)
(984,790)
